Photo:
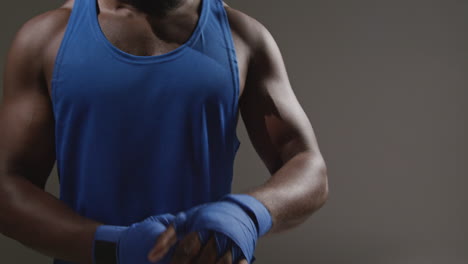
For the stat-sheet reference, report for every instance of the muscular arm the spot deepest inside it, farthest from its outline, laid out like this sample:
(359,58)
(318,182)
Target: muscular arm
(283,138)
(280,133)
(28,213)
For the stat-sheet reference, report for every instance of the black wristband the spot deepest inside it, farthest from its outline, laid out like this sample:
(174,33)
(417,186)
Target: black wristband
(105,252)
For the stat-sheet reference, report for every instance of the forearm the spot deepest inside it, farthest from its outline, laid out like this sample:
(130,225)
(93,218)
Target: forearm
(42,222)
(295,191)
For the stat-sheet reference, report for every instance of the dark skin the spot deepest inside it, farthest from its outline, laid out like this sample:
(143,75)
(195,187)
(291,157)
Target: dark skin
(276,124)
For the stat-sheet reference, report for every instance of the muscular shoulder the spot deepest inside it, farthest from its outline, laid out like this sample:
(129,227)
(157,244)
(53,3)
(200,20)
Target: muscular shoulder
(36,32)
(248,29)
(34,41)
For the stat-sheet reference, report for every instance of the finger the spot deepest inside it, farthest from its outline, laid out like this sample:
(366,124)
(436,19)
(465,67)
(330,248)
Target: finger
(164,242)
(226,258)
(209,253)
(187,250)
(243,261)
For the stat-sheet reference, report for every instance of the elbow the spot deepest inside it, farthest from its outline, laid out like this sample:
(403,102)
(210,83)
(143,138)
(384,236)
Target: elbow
(3,207)
(7,194)
(322,190)
(319,191)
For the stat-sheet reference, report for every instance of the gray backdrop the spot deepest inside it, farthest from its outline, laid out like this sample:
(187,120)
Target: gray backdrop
(384,85)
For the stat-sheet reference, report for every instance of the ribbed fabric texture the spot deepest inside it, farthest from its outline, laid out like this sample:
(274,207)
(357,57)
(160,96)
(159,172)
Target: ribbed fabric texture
(144,135)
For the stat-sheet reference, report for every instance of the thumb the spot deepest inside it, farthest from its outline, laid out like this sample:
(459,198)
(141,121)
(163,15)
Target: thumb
(165,219)
(183,222)
(180,225)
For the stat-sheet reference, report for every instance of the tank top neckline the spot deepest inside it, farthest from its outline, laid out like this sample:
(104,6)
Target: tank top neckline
(131,58)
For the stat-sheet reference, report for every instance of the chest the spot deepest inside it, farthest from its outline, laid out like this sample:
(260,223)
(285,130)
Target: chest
(135,37)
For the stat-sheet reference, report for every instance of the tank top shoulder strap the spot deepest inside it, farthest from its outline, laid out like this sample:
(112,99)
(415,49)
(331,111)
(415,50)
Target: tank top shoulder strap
(78,14)
(76,21)
(219,13)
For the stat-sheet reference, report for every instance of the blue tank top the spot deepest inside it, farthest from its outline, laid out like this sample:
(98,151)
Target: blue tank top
(144,135)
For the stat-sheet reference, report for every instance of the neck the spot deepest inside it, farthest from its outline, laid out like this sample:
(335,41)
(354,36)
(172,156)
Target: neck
(156,7)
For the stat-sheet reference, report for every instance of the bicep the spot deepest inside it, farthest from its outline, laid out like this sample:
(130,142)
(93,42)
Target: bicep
(276,124)
(26,118)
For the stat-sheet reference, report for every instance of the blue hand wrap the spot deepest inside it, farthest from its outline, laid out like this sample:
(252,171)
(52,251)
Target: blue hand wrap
(238,220)
(133,243)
